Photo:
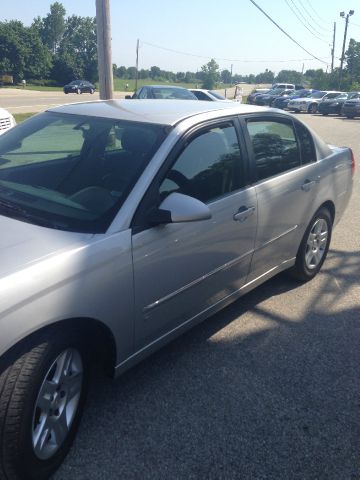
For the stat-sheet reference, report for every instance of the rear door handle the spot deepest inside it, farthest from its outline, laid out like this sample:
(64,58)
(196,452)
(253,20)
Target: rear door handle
(308,185)
(243,213)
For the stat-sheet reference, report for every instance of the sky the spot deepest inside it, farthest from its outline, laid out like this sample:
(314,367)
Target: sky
(183,35)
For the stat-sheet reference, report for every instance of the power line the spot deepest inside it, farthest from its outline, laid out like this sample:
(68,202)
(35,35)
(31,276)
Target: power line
(289,36)
(303,23)
(312,8)
(312,18)
(224,59)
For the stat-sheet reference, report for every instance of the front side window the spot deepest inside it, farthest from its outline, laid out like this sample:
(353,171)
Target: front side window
(208,168)
(72,172)
(274,145)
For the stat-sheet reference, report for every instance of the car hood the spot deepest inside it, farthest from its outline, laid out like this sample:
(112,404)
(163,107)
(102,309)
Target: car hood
(23,244)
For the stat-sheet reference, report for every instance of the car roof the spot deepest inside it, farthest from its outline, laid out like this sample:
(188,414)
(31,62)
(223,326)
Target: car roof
(164,112)
(165,86)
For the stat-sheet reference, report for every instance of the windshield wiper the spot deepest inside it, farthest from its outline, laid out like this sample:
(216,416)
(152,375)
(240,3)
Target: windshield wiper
(19,213)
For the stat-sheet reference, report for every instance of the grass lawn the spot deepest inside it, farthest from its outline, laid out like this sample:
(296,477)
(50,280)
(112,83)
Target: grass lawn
(20,117)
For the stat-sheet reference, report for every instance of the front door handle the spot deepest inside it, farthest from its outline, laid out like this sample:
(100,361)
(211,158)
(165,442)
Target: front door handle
(243,213)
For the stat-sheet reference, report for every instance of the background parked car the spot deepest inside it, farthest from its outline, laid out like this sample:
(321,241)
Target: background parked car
(79,86)
(254,93)
(288,86)
(310,104)
(334,105)
(351,108)
(163,92)
(208,95)
(268,98)
(6,120)
(282,102)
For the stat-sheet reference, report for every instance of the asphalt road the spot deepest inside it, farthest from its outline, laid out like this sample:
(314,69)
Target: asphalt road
(23,101)
(267,389)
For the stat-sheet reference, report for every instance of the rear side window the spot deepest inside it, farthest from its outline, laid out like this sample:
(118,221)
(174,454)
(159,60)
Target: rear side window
(308,154)
(275,147)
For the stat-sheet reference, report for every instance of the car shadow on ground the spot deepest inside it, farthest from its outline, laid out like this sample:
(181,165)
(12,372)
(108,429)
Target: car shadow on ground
(255,391)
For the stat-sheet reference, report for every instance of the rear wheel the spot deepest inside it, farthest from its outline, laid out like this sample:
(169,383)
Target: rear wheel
(313,108)
(314,246)
(78,91)
(42,394)
(91,91)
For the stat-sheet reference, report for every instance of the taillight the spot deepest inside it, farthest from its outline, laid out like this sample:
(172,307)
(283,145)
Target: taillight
(352,162)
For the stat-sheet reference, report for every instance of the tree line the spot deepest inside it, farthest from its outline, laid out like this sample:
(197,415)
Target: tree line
(53,50)
(56,49)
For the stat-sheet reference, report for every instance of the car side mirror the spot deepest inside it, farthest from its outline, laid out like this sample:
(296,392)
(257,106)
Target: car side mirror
(179,208)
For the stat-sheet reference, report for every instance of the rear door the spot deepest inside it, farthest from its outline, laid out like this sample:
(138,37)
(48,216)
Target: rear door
(183,269)
(286,179)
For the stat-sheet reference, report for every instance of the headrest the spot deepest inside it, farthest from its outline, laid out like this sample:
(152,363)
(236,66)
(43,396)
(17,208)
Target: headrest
(138,140)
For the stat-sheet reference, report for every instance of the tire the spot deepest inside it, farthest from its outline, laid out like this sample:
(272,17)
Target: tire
(350,116)
(312,251)
(325,114)
(313,108)
(78,91)
(43,387)
(91,91)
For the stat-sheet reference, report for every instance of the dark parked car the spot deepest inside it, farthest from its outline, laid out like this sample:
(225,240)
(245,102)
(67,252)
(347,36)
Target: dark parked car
(334,105)
(351,108)
(255,93)
(163,92)
(79,86)
(269,97)
(282,102)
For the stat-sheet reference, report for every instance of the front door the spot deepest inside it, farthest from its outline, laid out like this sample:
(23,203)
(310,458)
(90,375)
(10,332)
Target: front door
(182,269)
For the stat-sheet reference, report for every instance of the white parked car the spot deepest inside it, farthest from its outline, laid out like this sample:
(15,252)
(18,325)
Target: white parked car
(310,103)
(6,120)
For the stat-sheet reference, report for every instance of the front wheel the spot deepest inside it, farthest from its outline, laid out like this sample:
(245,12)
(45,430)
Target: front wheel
(313,247)
(78,91)
(42,387)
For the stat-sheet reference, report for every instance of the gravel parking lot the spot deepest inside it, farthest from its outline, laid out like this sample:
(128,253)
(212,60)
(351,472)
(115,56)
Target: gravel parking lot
(267,389)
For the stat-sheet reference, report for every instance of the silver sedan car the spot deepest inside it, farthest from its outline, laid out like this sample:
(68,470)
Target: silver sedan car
(123,224)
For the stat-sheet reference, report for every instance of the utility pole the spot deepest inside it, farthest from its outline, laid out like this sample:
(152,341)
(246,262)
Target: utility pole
(333,49)
(342,14)
(103,33)
(137,65)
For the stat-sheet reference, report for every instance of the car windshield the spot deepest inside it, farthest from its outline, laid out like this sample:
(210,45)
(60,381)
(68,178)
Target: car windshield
(276,91)
(217,95)
(171,93)
(353,95)
(317,94)
(74,82)
(72,172)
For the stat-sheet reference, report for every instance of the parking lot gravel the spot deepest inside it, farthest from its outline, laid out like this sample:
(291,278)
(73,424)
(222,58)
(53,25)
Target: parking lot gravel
(267,389)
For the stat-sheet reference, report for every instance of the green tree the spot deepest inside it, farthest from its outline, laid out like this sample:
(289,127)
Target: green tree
(226,76)
(265,77)
(289,76)
(155,72)
(22,52)
(352,58)
(210,75)
(77,54)
(52,27)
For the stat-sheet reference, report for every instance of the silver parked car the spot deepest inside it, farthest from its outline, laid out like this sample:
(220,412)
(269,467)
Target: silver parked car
(123,224)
